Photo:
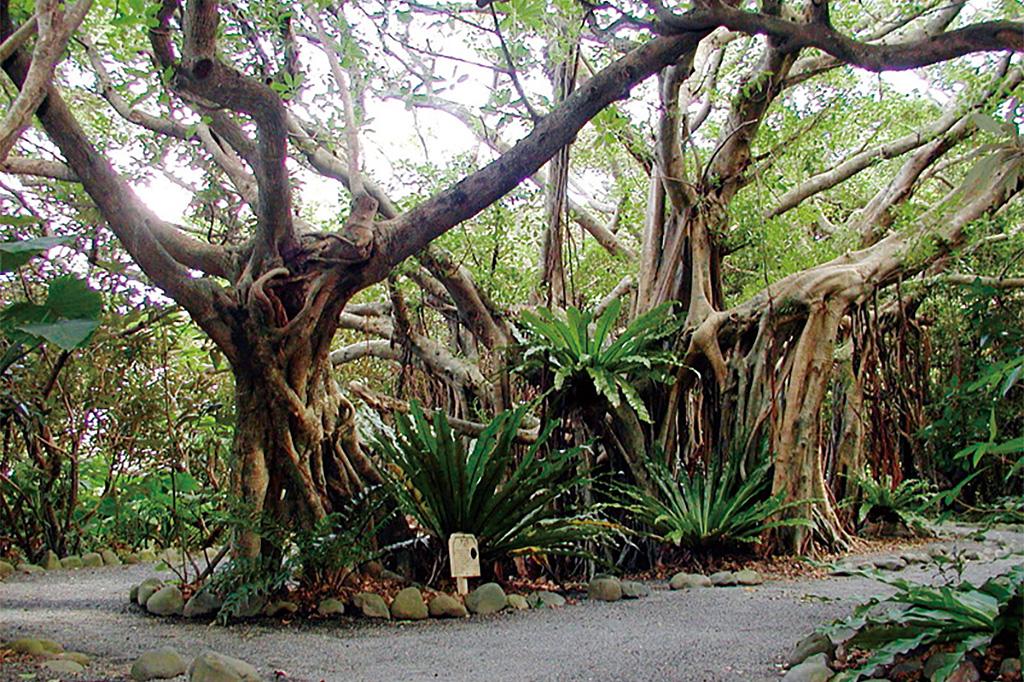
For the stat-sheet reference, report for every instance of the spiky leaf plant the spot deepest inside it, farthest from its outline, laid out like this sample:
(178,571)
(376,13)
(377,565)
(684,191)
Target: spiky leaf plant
(581,349)
(715,506)
(506,501)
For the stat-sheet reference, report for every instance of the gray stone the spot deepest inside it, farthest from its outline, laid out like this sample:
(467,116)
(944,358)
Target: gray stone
(73,561)
(447,606)
(1010,667)
(631,589)
(749,577)
(331,607)
(518,602)
(63,667)
(687,581)
(146,556)
(6,569)
(250,606)
(936,661)
(486,599)
(133,594)
(280,608)
(35,647)
(814,669)
(92,560)
(604,589)
(723,579)
(202,603)
(110,558)
(915,557)
(814,643)
(167,601)
(162,664)
(147,588)
(31,569)
(905,668)
(371,605)
(78,657)
(132,559)
(210,666)
(545,599)
(408,605)
(890,563)
(965,672)
(51,562)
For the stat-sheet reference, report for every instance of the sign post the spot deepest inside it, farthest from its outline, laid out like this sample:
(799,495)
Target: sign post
(464,559)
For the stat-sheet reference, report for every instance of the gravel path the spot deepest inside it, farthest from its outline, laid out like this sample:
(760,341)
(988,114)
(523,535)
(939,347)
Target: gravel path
(697,635)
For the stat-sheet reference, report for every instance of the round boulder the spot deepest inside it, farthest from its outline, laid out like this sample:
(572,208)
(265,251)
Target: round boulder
(63,667)
(210,666)
(162,664)
(147,588)
(447,606)
(167,601)
(202,603)
(545,599)
(110,558)
(371,605)
(518,602)
(749,577)
(631,589)
(331,607)
(408,605)
(486,599)
(688,581)
(723,579)
(6,569)
(51,562)
(604,589)
(73,561)
(92,560)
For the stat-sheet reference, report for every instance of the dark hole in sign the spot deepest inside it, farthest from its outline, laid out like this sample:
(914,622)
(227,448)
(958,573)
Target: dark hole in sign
(472,553)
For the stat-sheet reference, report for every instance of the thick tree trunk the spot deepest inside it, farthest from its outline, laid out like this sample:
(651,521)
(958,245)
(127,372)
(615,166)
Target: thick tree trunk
(297,453)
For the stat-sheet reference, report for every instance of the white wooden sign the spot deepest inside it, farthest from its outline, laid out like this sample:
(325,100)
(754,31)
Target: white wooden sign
(464,558)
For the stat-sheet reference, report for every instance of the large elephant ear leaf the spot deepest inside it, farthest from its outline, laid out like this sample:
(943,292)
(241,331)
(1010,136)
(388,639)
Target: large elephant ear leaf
(15,254)
(66,334)
(72,299)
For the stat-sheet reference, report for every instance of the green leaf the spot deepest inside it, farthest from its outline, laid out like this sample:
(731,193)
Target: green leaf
(15,254)
(71,298)
(66,334)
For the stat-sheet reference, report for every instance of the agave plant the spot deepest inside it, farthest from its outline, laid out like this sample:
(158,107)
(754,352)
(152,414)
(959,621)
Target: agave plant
(581,349)
(963,616)
(712,507)
(507,503)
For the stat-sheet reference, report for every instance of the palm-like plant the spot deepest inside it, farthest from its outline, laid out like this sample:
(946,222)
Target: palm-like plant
(712,507)
(581,349)
(507,504)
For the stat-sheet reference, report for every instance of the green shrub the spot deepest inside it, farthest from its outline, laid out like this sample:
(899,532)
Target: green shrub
(884,501)
(712,507)
(508,504)
(967,617)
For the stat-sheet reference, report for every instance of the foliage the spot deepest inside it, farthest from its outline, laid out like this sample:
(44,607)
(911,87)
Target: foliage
(317,558)
(245,582)
(506,502)
(581,349)
(968,617)
(165,508)
(884,499)
(712,507)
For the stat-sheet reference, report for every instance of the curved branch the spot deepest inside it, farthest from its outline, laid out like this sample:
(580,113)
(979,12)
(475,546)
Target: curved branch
(989,36)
